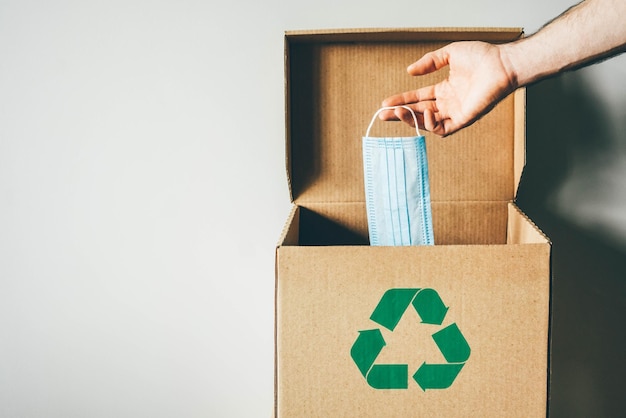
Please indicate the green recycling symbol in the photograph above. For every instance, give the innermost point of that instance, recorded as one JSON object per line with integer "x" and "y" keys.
{"x": 388, "y": 313}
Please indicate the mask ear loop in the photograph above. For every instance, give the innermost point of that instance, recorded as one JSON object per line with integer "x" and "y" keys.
{"x": 367, "y": 134}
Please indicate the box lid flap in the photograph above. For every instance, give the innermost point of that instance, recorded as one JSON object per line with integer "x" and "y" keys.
{"x": 336, "y": 80}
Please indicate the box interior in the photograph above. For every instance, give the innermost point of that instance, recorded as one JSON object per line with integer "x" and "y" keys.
{"x": 334, "y": 87}
{"x": 455, "y": 223}
{"x": 335, "y": 83}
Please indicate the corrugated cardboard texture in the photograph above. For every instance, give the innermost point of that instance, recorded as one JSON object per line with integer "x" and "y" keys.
{"x": 521, "y": 230}
{"x": 490, "y": 264}
{"x": 455, "y": 223}
{"x": 497, "y": 295}
{"x": 448, "y": 34}
{"x": 335, "y": 83}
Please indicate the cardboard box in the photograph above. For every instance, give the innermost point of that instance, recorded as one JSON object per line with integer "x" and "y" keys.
{"x": 459, "y": 329}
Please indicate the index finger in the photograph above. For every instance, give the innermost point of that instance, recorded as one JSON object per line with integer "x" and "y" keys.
{"x": 430, "y": 62}
{"x": 407, "y": 98}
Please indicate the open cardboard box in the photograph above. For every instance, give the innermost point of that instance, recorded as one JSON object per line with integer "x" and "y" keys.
{"x": 490, "y": 266}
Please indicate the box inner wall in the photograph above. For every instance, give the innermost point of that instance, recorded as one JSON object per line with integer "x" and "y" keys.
{"x": 334, "y": 89}
{"x": 455, "y": 223}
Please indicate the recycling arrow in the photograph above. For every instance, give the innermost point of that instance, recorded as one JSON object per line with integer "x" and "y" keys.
{"x": 394, "y": 303}
{"x": 389, "y": 376}
{"x": 436, "y": 376}
{"x": 392, "y": 306}
{"x": 364, "y": 351}
{"x": 452, "y": 344}
{"x": 431, "y": 310}
{"x": 366, "y": 348}
{"x": 454, "y": 349}
{"x": 430, "y": 307}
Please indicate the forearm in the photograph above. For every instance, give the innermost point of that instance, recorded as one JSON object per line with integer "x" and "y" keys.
{"x": 589, "y": 31}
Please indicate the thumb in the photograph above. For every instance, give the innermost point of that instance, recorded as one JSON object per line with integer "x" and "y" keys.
{"x": 430, "y": 62}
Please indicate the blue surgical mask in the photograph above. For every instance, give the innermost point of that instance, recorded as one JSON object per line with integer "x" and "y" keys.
{"x": 397, "y": 190}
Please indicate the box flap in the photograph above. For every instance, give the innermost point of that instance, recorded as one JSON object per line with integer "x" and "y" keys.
{"x": 336, "y": 80}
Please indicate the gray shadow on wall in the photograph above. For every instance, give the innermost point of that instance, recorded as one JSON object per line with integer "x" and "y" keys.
{"x": 588, "y": 362}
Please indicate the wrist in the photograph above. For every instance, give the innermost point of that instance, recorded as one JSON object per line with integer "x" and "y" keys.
{"x": 509, "y": 56}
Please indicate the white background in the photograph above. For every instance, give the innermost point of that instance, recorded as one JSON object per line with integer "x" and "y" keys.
{"x": 143, "y": 189}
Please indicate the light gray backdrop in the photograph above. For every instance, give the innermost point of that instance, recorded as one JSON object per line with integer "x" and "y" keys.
{"x": 143, "y": 189}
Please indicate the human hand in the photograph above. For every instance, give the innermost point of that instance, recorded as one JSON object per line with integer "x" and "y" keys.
{"x": 479, "y": 77}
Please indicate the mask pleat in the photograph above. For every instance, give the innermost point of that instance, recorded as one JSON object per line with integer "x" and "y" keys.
{"x": 397, "y": 191}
